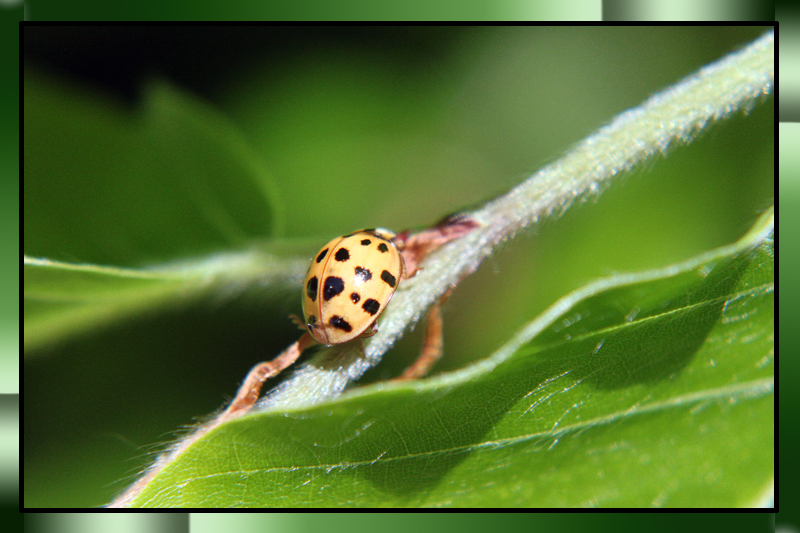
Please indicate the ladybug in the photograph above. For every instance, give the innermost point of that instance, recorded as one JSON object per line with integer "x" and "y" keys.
{"x": 349, "y": 283}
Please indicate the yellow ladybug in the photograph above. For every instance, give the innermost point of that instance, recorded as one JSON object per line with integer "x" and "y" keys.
{"x": 349, "y": 283}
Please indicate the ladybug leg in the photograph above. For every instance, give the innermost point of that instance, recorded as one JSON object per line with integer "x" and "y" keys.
{"x": 415, "y": 248}
{"x": 249, "y": 391}
{"x": 371, "y": 330}
{"x": 297, "y": 321}
{"x": 431, "y": 346}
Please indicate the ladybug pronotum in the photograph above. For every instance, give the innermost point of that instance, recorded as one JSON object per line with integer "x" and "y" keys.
{"x": 349, "y": 283}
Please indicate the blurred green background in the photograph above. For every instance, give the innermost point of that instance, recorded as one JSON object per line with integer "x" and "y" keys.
{"x": 344, "y": 128}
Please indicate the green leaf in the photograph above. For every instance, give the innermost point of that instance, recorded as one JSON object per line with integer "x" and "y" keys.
{"x": 113, "y": 186}
{"x": 647, "y": 389}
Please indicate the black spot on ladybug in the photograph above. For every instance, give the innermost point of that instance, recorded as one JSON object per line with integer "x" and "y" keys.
{"x": 311, "y": 288}
{"x": 322, "y": 255}
{"x": 342, "y": 255}
{"x": 385, "y": 276}
{"x": 365, "y": 242}
{"x": 355, "y": 297}
{"x": 383, "y": 248}
{"x": 371, "y": 306}
{"x": 340, "y": 323}
{"x": 363, "y": 275}
{"x": 311, "y": 321}
{"x": 333, "y": 286}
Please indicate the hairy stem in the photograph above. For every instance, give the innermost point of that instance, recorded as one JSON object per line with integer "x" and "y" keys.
{"x": 672, "y": 117}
